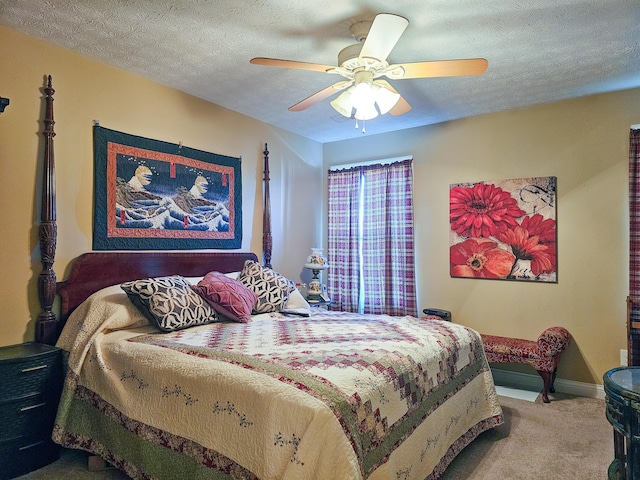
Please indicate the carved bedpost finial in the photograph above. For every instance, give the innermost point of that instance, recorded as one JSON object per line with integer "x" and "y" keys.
{"x": 47, "y": 324}
{"x": 266, "y": 213}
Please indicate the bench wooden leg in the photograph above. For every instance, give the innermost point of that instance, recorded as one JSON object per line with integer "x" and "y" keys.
{"x": 547, "y": 384}
{"x": 552, "y": 387}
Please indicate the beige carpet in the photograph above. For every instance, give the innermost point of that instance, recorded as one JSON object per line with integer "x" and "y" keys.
{"x": 568, "y": 438}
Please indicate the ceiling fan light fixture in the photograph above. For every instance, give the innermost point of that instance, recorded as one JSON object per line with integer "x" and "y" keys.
{"x": 342, "y": 104}
{"x": 367, "y": 99}
{"x": 362, "y": 96}
{"x": 385, "y": 99}
{"x": 366, "y": 112}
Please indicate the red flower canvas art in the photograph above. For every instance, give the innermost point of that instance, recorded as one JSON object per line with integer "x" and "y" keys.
{"x": 504, "y": 229}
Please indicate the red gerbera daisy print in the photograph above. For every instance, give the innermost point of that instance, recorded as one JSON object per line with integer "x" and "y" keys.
{"x": 533, "y": 240}
{"x": 482, "y": 210}
{"x": 504, "y": 229}
{"x": 543, "y": 228}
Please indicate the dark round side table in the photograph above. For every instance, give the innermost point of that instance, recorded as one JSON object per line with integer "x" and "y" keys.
{"x": 622, "y": 389}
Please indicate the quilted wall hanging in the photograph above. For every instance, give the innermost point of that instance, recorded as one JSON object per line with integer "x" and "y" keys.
{"x": 154, "y": 195}
{"x": 504, "y": 229}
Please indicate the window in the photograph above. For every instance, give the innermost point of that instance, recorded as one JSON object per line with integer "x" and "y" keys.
{"x": 370, "y": 239}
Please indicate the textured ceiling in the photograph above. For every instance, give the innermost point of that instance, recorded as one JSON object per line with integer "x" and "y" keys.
{"x": 538, "y": 51}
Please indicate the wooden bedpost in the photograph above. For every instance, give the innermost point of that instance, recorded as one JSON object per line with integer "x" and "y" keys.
{"x": 47, "y": 324}
{"x": 266, "y": 213}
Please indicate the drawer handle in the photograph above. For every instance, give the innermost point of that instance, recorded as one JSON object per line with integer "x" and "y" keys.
{"x": 26, "y": 447}
{"x": 31, "y": 407}
{"x": 39, "y": 367}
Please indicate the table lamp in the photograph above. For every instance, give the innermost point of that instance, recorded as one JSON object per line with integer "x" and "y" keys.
{"x": 315, "y": 262}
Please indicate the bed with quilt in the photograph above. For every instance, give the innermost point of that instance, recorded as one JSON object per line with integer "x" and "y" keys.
{"x": 233, "y": 375}
{"x": 211, "y": 365}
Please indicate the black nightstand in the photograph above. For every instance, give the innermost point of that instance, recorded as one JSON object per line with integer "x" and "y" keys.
{"x": 30, "y": 385}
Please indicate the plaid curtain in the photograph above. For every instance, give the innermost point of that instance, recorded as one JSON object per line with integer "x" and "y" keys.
{"x": 381, "y": 257}
{"x": 634, "y": 244}
{"x": 343, "y": 276}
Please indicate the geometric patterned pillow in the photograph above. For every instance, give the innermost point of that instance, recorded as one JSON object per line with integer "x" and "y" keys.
{"x": 169, "y": 302}
{"x": 227, "y": 296}
{"x": 272, "y": 288}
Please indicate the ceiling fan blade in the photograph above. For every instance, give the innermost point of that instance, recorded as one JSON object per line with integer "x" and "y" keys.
{"x": 385, "y": 32}
{"x": 274, "y": 62}
{"x": 402, "y": 106}
{"x": 443, "y": 68}
{"x": 319, "y": 96}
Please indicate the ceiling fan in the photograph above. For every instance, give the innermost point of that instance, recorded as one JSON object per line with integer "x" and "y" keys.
{"x": 365, "y": 63}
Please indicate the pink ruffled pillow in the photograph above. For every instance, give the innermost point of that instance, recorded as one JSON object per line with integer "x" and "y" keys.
{"x": 227, "y": 296}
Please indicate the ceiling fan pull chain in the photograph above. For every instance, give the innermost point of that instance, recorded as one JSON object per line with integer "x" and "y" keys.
{"x": 363, "y": 126}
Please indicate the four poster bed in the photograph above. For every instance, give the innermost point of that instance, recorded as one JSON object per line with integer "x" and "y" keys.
{"x": 287, "y": 393}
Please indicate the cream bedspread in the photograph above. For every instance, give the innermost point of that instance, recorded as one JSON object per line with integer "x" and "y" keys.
{"x": 331, "y": 396}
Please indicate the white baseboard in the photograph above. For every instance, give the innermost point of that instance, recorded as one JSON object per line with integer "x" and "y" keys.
{"x": 527, "y": 381}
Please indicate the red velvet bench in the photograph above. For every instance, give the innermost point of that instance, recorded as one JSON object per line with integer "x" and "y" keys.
{"x": 543, "y": 354}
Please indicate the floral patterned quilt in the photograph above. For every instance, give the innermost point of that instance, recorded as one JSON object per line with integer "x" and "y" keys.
{"x": 334, "y": 395}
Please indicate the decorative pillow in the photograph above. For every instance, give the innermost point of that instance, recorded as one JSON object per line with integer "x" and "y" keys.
{"x": 272, "y": 288}
{"x": 227, "y": 296}
{"x": 169, "y": 302}
{"x": 195, "y": 280}
{"x": 233, "y": 275}
{"x": 296, "y": 300}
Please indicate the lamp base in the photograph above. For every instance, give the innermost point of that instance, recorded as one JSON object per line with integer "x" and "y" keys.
{"x": 314, "y": 289}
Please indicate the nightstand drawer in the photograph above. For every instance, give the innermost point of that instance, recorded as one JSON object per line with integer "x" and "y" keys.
{"x": 32, "y": 415}
{"x": 26, "y": 455}
{"x": 30, "y": 375}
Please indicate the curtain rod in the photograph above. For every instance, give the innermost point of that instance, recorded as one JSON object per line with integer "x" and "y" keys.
{"x": 384, "y": 161}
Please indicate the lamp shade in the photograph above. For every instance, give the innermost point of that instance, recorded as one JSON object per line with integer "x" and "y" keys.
{"x": 316, "y": 261}
{"x": 385, "y": 99}
{"x": 361, "y": 96}
{"x": 366, "y": 112}
{"x": 342, "y": 104}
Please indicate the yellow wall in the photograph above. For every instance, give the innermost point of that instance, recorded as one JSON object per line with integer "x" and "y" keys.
{"x": 88, "y": 90}
{"x": 584, "y": 143}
